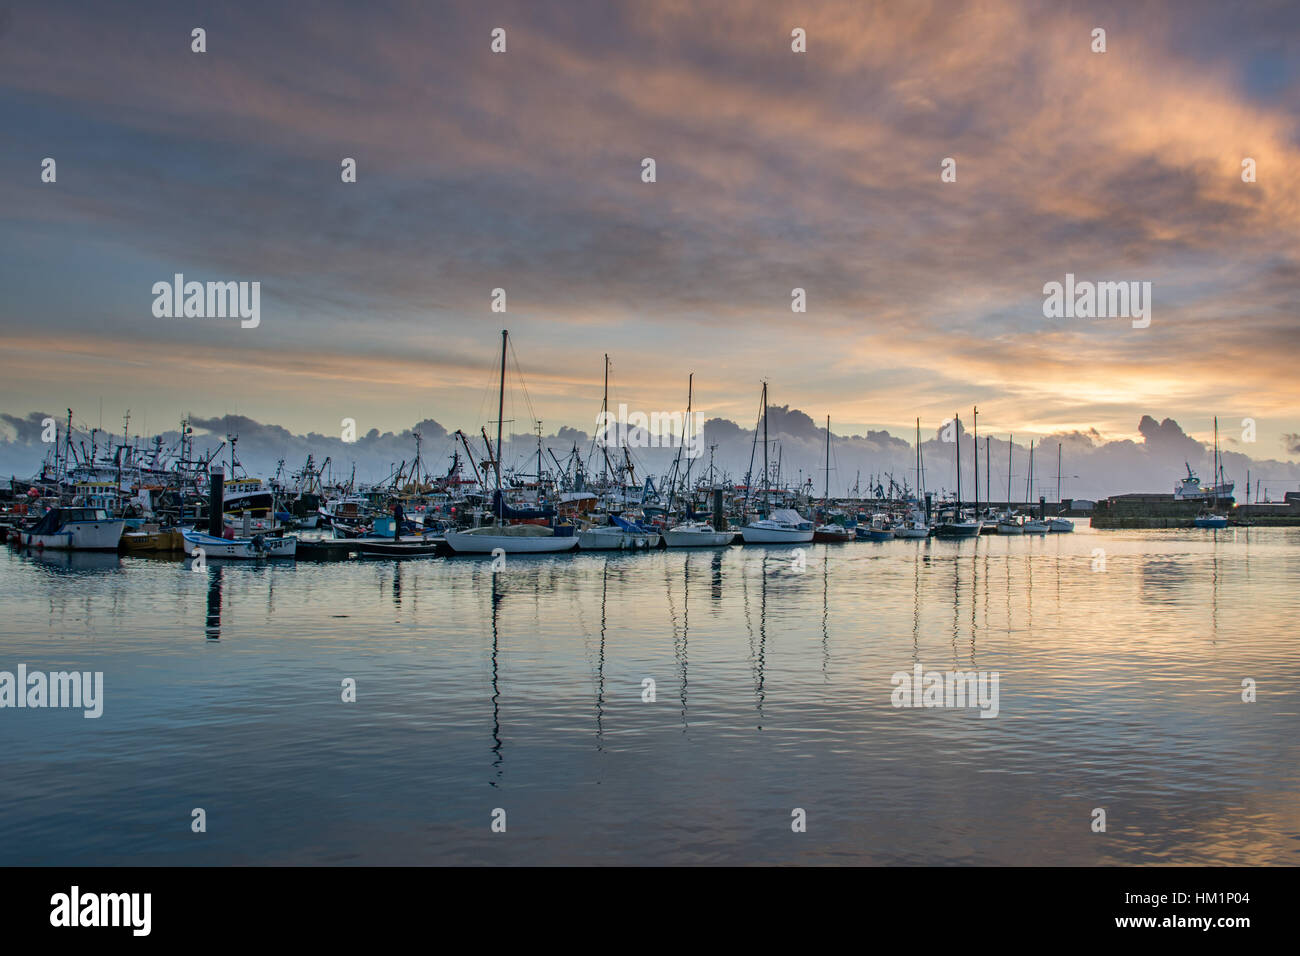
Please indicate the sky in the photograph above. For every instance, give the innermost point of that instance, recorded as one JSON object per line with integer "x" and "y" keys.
{"x": 774, "y": 170}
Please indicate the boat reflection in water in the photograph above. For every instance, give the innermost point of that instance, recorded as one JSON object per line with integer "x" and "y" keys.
{"x": 213, "y": 626}
{"x": 773, "y": 676}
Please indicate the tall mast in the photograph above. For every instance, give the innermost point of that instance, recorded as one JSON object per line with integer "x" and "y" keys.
{"x": 920, "y": 480}
{"x": 753, "y": 449}
{"x": 957, "y": 434}
{"x": 826, "y": 494}
{"x": 1058, "y": 475}
{"x": 675, "y": 475}
{"x": 1029, "y": 478}
{"x": 988, "y": 470}
{"x": 1214, "y": 482}
{"x": 975, "y": 474}
{"x": 501, "y": 414}
{"x": 67, "y": 445}
{"x": 686, "y": 427}
{"x": 1011, "y": 444}
{"x": 604, "y": 407}
{"x": 766, "y": 480}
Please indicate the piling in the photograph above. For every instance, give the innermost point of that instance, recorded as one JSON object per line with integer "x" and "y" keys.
{"x": 216, "y": 481}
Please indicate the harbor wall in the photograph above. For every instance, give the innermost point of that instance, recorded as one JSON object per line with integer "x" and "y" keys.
{"x": 1165, "y": 511}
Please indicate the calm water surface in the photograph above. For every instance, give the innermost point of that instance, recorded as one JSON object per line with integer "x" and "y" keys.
{"x": 1119, "y": 688}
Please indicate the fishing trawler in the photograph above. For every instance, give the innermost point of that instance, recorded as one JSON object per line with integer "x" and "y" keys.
{"x": 73, "y": 529}
{"x": 249, "y": 506}
{"x": 1191, "y": 489}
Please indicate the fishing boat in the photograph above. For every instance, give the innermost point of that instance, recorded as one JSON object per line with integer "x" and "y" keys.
{"x": 912, "y": 526}
{"x": 958, "y": 526}
{"x": 248, "y": 505}
{"x": 73, "y": 529}
{"x": 831, "y": 533}
{"x": 880, "y": 528}
{"x": 1191, "y": 489}
{"x": 512, "y": 539}
{"x": 150, "y": 539}
{"x": 247, "y": 549}
{"x": 398, "y": 549}
{"x": 348, "y": 511}
{"x": 1208, "y": 519}
{"x": 621, "y": 535}
{"x": 783, "y": 526}
{"x": 697, "y": 534}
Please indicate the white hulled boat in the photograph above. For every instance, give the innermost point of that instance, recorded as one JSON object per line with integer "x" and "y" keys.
{"x": 783, "y": 526}
{"x": 1059, "y": 525}
{"x": 1010, "y": 524}
{"x": 915, "y": 525}
{"x": 697, "y": 534}
{"x": 247, "y": 549}
{"x": 74, "y": 529}
{"x": 622, "y": 535}
{"x": 512, "y": 539}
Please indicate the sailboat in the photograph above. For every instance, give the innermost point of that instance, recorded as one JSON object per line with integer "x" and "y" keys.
{"x": 829, "y": 532}
{"x": 1009, "y": 523}
{"x": 957, "y": 525}
{"x": 914, "y": 524}
{"x": 783, "y": 525}
{"x": 1031, "y": 524}
{"x": 1057, "y": 524}
{"x": 1209, "y": 518}
{"x": 509, "y": 538}
{"x": 693, "y": 533}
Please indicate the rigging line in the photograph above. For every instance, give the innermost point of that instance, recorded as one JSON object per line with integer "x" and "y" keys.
{"x": 528, "y": 401}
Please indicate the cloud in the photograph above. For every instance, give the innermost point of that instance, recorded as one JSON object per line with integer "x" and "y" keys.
{"x": 776, "y": 170}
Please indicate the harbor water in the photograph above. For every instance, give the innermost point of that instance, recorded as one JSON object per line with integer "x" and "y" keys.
{"x": 670, "y": 707}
